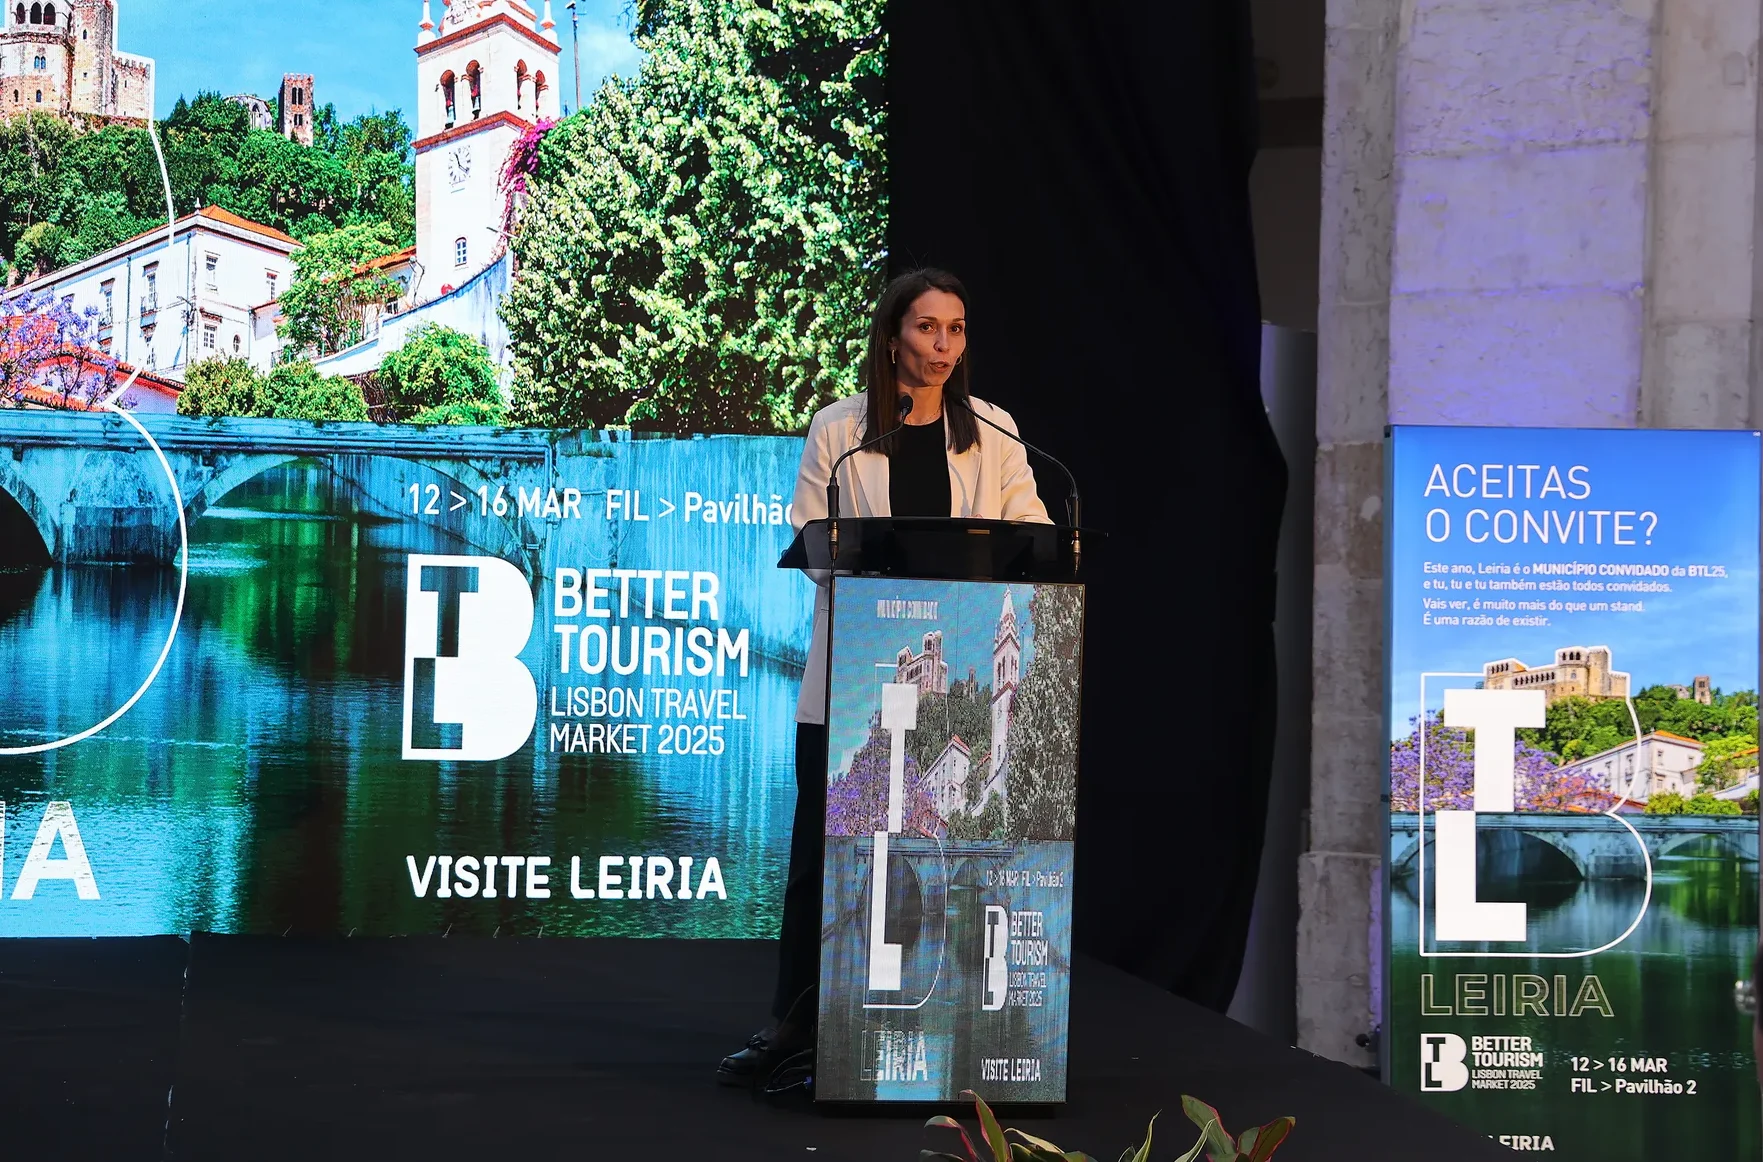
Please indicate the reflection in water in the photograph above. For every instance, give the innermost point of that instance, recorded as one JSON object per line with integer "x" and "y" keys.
{"x": 1670, "y": 984}
{"x": 259, "y": 785}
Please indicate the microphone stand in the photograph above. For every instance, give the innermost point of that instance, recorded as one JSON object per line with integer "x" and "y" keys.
{"x": 901, "y": 409}
{"x": 1073, "y": 505}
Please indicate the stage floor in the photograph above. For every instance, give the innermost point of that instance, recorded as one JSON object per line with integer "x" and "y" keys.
{"x": 235, "y": 1048}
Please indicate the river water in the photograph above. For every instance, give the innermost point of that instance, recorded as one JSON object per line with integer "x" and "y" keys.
{"x": 258, "y": 785}
{"x": 1670, "y": 985}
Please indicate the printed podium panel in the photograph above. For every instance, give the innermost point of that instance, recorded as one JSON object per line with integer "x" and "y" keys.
{"x": 1572, "y": 864}
{"x": 951, "y": 792}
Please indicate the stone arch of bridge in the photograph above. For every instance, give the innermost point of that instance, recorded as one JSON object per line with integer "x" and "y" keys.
{"x": 15, "y": 486}
{"x": 515, "y": 543}
{"x": 234, "y": 473}
{"x": 1404, "y": 862}
{"x": 1727, "y": 842}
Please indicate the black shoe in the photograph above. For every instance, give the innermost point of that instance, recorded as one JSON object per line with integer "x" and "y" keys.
{"x": 754, "y": 1062}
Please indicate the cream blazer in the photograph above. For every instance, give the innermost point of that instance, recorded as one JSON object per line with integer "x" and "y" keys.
{"x": 989, "y": 481}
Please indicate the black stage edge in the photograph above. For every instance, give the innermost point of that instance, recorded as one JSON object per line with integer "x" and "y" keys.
{"x": 431, "y": 1048}
{"x": 88, "y": 1045}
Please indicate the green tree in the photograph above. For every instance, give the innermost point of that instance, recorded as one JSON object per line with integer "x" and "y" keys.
{"x": 1702, "y": 803}
{"x": 1667, "y": 803}
{"x": 375, "y": 149}
{"x": 103, "y": 186}
{"x": 703, "y": 242}
{"x": 227, "y": 386}
{"x": 321, "y": 309}
{"x": 1041, "y": 752}
{"x": 990, "y": 823}
{"x": 966, "y": 710}
{"x": 282, "y": 183}
{"x": 440, "y": 376}
{"x": 1672, "y": 803}
{"x": 327, "y": 131}
{"x": 42, "y": 248}
{"x": 298, "y": 391}
{"x": 104, "y": 221}
{"x": 1577, "y": 727}
{"x": 1724, "y": 759}
{"x": 202, "y": 140}
{"x": 36, "y": 186}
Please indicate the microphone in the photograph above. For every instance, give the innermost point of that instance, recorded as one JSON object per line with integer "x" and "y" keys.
{"x": 902, "y": 408}
{"x": 1073, "y": 505}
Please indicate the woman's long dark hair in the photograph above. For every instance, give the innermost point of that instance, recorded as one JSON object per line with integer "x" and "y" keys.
{"x": 878, "y": 367}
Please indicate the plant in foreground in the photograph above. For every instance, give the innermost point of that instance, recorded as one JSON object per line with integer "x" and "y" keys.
{"x": 1014, "y": 1145}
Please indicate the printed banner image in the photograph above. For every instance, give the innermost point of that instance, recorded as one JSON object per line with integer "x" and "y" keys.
{"x": 1572, "y": 867}
{"x": 946, "y": 947}
{"x": 411, "y": 681}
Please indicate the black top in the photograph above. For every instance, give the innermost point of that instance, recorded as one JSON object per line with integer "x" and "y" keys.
{"x": 918, "y": 471}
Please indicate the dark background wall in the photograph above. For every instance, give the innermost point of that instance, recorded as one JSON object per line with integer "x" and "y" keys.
{"x": 1084, "y": 167}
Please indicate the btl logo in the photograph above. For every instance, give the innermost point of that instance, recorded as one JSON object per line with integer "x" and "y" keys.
{"x": 467, "y": 695}
{"x": 1441, "y": 1063}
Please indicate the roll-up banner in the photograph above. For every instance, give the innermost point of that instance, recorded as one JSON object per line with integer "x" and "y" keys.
{"x": 1571, "y": 871}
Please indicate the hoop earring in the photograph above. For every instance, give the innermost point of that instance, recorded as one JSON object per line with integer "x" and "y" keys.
{"x": 959, "y": 358}
{"x": 891, "y": 356}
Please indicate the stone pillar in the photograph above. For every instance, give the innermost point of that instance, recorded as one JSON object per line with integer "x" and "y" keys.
{"x": 1702, "y": 355}
{"x": 1535, "y": 212}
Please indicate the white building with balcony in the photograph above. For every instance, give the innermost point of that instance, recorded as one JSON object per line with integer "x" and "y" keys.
{"x": 1640, "y": 768}
{"x": 210, "y": 291}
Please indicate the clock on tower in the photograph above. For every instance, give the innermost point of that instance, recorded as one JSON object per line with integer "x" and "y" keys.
{"x": 458, "y": 164}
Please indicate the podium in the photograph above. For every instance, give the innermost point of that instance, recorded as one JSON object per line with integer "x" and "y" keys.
{"x": 954, "y": 673}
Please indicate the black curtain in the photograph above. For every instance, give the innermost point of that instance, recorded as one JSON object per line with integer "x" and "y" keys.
{"x": 1084, "y": 168}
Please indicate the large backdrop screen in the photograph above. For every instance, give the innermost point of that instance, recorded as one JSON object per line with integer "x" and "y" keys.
{"x": 394, "y": 476}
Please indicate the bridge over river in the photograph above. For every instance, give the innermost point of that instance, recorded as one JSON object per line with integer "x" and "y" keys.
{"x": 83, "y": 489}
{"x": 1597, "y": 846}
{"x": 95, "y": 493}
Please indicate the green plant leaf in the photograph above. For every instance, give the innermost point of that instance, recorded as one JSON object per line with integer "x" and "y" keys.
{"x": 934, "y": 1156}
{"x": 1269, "y": 1138}
{"x": 1041, "y": 1147}
{"x": 1218, "y": 1143}
{"x": 988, "y": 1125}
{"x": 1143, "y": 1153}
{"x": 943, "y": 1122}
{"x": 1246, "y": 1142}
{"x": 1199, "y": 1145}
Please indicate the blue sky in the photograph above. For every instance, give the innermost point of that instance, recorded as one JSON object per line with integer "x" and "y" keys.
{"x": 968, "y": 618}
{"x": 1703, "y": 488}
{"x": 362, "y": 62}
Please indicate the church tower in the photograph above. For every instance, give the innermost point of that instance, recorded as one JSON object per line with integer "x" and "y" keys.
{"x": 484, "y": 74}
{"x": 1006, "y": 673}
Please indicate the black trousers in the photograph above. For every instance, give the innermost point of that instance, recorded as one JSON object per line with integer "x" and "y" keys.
{"x": 798, "y": 954}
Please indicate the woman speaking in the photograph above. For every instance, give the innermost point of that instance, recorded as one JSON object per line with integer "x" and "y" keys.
{"x": 935, "y": 461}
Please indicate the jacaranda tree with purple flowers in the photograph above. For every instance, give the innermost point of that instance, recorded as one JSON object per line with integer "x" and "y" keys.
{"x": 1541, "y": 784}
{"x": 47, "y": 344}
{"x": 857, "y": 804}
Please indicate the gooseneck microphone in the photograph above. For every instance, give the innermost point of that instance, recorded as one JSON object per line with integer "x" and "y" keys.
{"x": 902, "y": 409}
{"x": 1073, "y": 505}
